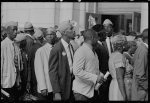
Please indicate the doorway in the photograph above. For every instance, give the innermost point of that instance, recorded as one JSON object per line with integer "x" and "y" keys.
{"x": 115, "y": 19}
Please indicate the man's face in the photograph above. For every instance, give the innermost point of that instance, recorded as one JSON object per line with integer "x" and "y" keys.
{"x": 108, "y": 28}
{"x": 139, "y": 41}
{"x": 51, "y": 38}
{"x": 70, "y": 32}
{"x": 12, "y": 31}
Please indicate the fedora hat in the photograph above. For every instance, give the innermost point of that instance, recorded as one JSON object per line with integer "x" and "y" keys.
{"x": 28, "y": 26}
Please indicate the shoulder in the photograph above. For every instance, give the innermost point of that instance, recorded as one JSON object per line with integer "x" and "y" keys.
{"x": 4, "y": 43}
{"x": 141, "y": 49}
{"x": 80, "y": 51}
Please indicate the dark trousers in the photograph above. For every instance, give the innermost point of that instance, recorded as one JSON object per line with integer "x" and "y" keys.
{"x": 104, "y": 91}
{"x": 48, "y": 98}
{"x": 81, "y": 98}
{"x": 13, "y": 92}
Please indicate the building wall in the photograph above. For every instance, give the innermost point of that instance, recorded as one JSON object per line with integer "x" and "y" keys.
{"x": 106, "y": 8}
{"x": 46, "y": 14}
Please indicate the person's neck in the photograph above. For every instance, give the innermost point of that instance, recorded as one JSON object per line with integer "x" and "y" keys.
{"x": 50, "y": 43}
{"x": 66, "y": 39}
{"x": 10, "y": 38}
{"x": 89, "y": 43}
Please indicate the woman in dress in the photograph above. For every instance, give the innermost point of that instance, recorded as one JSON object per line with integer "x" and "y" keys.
{"x": 128, "y": 54}
{"x": 117, "y": 90}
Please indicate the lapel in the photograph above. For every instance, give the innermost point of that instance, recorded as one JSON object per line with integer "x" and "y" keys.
{"x": 105, "y": 45}
{"x": 62, "y": 50}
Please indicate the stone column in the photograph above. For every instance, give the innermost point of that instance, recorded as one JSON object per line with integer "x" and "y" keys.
{"x": 144, "y": 16}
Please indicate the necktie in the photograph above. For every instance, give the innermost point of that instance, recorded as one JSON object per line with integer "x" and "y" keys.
{"x": 71, "y": 53}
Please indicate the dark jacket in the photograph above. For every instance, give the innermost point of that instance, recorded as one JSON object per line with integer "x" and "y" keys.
{"x": 29, "y": 43}
{"x": 59, "y": 71}
{"x": 103, "y": 57}
{"x": 32, "y": 77}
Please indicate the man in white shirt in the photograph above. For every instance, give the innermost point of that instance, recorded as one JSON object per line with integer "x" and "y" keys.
{"x": 8, "y": 66}
{"x": 86, "y": 68}
{"x": 109, "y": 34}
{"x": 41, "y": 65}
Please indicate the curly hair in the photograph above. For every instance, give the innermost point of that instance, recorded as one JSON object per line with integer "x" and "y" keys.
{"x": 119, "y": 42}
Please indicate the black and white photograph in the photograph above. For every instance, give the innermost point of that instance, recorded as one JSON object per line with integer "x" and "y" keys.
{"x": 74, "y": 51}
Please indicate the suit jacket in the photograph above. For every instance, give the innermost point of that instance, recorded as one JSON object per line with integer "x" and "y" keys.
{"x": 41, "y": 68}
{"x": 8, "y": 69}
{"x": 59, "y": 71}
{"x": 103, "y": 57}
{"x": 140, "y": 74}
{"x": 29, "y": 44}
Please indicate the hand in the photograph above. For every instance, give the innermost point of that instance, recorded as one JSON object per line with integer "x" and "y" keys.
{"x": 28, "y": 87}
{"x": 57, "y": 97}
{"x": 44, "y": 92}
{"x": 100, "y": 78}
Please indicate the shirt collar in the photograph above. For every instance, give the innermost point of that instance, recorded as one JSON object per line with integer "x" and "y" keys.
{"x": 146, "y": 45}
{"x": 30, "y": 36}
{"x": 65, "y": 44}
{"x": 49, "y": 45}
{"x": 9, "y": 40}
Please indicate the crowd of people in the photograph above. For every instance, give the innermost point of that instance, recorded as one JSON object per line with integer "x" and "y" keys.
{"x": 60, "y": 65}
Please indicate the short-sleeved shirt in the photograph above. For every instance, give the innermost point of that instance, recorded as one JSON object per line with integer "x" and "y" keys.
{"x": 116, "y": 60}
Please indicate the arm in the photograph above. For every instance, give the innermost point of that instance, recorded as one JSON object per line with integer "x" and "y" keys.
{"x": 119, "y": 64}
{"x": 78, "y": 68}
{"x": 39, "y": 72}
{"x": 2, "y": 63}
{"x": 120, "y": 78}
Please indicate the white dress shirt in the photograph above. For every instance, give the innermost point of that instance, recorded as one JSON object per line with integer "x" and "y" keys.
{"x": 8, "y": 69}
{"x": 66, "y": 46}
{"x": 86, "y": 71}
{"x": 42, "y": 68}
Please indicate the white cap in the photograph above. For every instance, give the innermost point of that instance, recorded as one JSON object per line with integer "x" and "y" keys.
{"x": 38, "y": 33}
{"x": 20, "y": 37}
{"x": 107, "y": 22}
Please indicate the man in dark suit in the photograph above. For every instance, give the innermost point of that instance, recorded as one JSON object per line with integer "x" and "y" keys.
{"x": 29, "y": 31}
{"x": 31, "y": 76}
{"x": 140, "y": 74}
{"x": 60, "y": 63}
{"x": 103, "y": 56}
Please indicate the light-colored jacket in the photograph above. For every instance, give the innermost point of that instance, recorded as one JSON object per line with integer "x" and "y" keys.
{"x": 140, "y": 74}
{"x": 86, "y": 71}
{"x": 42, "y": 67}
{"x": 8, "y": 69}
